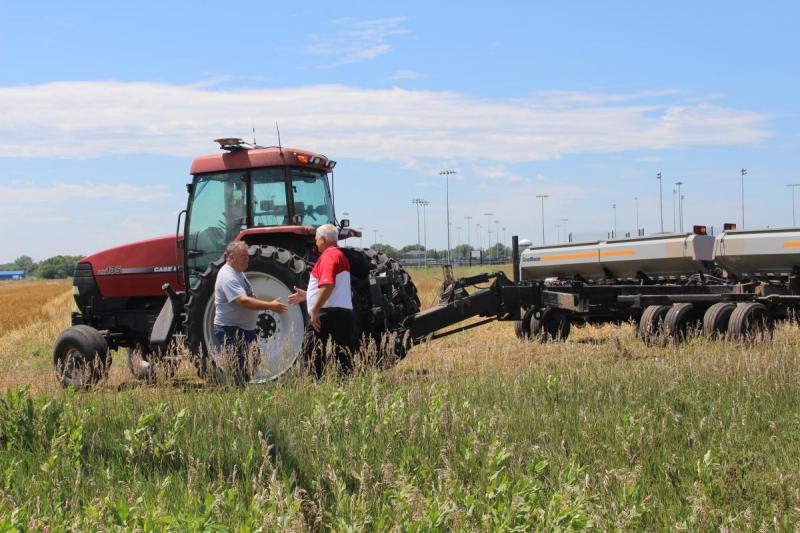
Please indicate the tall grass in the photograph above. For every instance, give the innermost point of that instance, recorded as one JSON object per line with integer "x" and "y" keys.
{"x": 478, "y": 431}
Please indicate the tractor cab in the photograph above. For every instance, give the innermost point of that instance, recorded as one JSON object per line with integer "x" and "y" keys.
{"x": 270, "y": 195}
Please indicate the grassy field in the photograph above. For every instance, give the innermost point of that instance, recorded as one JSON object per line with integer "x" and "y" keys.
{"x": 478, "y": 431}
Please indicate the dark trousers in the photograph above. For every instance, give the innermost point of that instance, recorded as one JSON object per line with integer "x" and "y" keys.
{"x": 235, "y": 343}
{"x": 335, "y": 340}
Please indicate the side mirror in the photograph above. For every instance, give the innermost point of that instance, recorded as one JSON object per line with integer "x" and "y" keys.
{"x": 344, "y": 223}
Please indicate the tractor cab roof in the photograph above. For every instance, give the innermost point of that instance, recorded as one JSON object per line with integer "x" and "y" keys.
{"x": 241, "y": 157}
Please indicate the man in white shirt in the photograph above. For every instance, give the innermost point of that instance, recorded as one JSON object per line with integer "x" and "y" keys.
{"x": 236, "y": 317}
{"x": 330, "y": 303}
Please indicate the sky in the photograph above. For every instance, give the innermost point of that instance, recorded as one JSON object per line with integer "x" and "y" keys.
{"x": 103, "y": 106}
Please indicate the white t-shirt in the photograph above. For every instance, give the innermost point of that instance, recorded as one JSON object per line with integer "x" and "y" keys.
{"x": 332, "y": 268}
{"x": 230, "y": 286}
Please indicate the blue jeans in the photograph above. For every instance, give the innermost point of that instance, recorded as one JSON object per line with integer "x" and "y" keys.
{"x": 236, "y": 340}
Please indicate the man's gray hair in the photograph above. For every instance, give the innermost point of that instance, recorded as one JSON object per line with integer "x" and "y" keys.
{"x": 233, "y": 246}
{"x": 329, "y": 232}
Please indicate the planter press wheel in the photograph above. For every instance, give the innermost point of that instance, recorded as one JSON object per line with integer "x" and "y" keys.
{"x": 716, "y": 319}
{"x": 651, "y": 323}
{"x": 680, "y": 320}
{"x": 750, "y": 321}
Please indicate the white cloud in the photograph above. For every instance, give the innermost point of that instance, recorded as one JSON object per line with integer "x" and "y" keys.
{"x": 404, "y": 75}
{"x": 64, "y": 192}
{"x": 357, "y": 40}
{"x": 96, "y": 118}
{"x": 497, "y": 172}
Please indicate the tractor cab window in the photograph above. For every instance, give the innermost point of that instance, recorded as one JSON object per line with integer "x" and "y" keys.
{"x": 217, "y": 214}
{"x": 312, "y": 198}
{"x": 270, "y": 207}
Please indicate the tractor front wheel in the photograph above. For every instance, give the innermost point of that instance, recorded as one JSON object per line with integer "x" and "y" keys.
{"x": 80, "y": 357}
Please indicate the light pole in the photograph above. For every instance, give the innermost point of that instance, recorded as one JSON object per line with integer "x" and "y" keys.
{"x": 636, "y": 199}
{"x": 447, "y": 174}
{"x": 504, "y": 243}
{"x": 744, "y": 173}
{"x": 469, "y": 244}
{"x": 793, "y": 186}
{"x": 542, "y": 196}
{"x": 674, "y": 216}
{"x": 424, "y": 204}
{"x": 361, "y": 238}
{"x": 680, "y": 205}
{"x": 497, "y": 237}
{"x": 374, "y": 237}
{"x": 614, "y": 207}
{"x": 458, "y": 235}
{"x": 417, "y": 202}
{"x": 480, "y": 243}
{"x": 488, "y": 230}
{"x": 660, "y": 201}
{"x": 565, "y": 220}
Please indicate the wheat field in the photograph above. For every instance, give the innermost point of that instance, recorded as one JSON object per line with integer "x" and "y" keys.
{"x": 478, "y": 431}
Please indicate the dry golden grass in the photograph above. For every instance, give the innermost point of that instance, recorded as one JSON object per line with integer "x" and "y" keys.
{"x": 22, "y": 302}
{"x": 41, "y": 311}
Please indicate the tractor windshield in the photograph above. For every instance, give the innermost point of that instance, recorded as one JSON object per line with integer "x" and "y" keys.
{"x": 312, "y": 198}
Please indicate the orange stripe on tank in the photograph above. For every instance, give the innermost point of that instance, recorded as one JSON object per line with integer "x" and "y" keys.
{"x": 611, "y": 253}
{"x": 791, "y": 244}
{"x": 586, "y": 255}
{"x": 582, "y": 255}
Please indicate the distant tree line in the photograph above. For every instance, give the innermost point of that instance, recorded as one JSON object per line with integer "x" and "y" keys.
{"x": 460, "y": 251}
{"x": 56, "y": 267}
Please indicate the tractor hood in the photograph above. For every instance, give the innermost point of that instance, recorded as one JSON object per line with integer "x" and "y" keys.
{"x": 138, "y": 269}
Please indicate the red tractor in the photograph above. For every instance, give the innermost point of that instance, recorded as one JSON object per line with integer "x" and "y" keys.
{"x": 143, "y": 296}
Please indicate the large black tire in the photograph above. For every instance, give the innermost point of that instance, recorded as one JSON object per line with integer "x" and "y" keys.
{"x": 80, "y": 357}
{"x": 680, "y": 320}
{"x": 522, "y": 328}
{"x": 750, "y": 321}
{"x": 148, "y": 365}
{"x": 550, "y": 325}
{"x": 401, "y": 297}
{"x": 716, "y": 319}
{"x": 651, "y": 323}
{"x": 273, "y": 272}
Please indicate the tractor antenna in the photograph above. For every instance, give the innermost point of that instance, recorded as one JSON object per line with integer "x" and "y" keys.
{"x": 279, "y": 137}
{"x": 255, "y": 144}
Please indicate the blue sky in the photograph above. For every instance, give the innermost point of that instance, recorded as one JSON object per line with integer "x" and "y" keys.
{"x": 104, "y": 105}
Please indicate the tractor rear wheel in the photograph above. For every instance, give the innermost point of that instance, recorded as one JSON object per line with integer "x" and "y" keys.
{"x": 716, "y": 318}
{"x": 651, "y": 322}
{"x": 273, "y": 273}
{"x": 750, "y": 321}
{"x": 401, "y": 297}
{"x": 80, "y": 357}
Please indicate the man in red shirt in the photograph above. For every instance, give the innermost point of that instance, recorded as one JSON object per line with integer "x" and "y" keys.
{"x": 329, "y": 302}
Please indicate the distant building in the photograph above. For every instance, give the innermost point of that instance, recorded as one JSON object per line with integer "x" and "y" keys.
{"x": 413, "y": 258}
{"x": 11, "y": 274}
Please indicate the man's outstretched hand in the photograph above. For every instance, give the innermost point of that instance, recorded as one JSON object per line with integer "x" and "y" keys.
{"x": 278, "y": 306}
{"x": 299, "y": 295}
